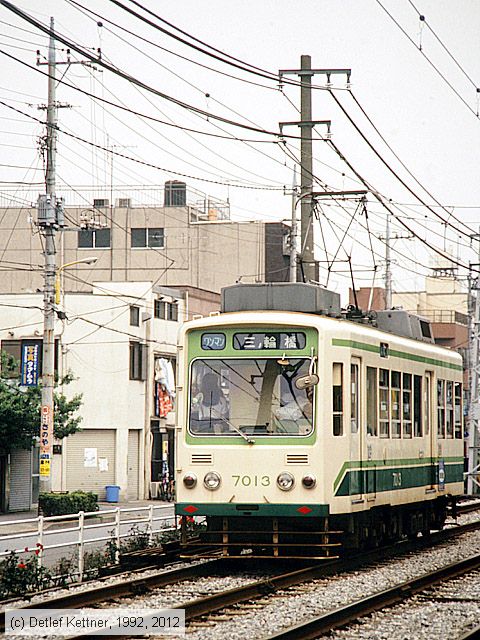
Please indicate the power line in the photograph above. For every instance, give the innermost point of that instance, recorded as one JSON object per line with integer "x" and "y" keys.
{"x": 143, "y": 162}
{"x": 148, "y": 117}
{"x": 176, "y": 144}
{"x": 382, "y": 201}
{"x": 392, "y": 171}
{"x": 402, "y": 163}
{"x": 437, "y": 70}
{"x": 126, "y": 76}
{"x": 154, "y": 44}
{"x": 444, "y": 47}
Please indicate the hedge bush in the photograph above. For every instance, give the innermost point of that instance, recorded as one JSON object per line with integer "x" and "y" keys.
{"x": 58, "y": 504}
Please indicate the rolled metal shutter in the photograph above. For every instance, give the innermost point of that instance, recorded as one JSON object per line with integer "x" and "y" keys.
{"x": 20, "y": 480}
{"x": 133, "y": 463}
{"x": 90, "y": 478}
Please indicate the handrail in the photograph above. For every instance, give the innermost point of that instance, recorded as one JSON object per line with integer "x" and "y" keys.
{"x": 82, "y": 526}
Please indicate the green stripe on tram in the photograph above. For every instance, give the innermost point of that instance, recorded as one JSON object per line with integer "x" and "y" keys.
{"x": 364, "y": 346}
{"x": 375, "y": 476}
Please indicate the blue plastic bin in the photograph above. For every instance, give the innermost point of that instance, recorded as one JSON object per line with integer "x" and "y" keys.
{"x": 113, "y": 493}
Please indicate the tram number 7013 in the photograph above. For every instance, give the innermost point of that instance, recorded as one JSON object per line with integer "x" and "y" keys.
{"x": 251, "y": 481}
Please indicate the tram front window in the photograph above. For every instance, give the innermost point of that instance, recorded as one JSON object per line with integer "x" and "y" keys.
{"x": 254, "y": 397}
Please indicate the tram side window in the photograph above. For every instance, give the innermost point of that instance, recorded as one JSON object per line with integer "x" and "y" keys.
{"x": 395, "y": 406}
{"x": 427, "y": 402}
{"x": 383, "y": 402}
{"x": 354, "y": 413}
{"x": 449, "y": 409}
{"x": 372, "y": 418}
{"x": 417, "y": 406}
{"x": 458, "y": 410}
{"x": 441, "y": 408}
{"x": 337, "y": 388}
{"x": 407, "y": 405}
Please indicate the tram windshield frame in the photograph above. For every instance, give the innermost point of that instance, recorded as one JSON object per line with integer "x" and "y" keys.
{"x": 250, "y": 397}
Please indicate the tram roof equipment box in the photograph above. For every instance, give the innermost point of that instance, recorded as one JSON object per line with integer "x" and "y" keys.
{"x": 281, "y": 296}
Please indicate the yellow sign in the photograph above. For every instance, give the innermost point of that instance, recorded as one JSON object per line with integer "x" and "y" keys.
{"x": 45, "y": 466}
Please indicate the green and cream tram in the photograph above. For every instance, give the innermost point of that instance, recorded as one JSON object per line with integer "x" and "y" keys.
{"x": 302, "y": 432}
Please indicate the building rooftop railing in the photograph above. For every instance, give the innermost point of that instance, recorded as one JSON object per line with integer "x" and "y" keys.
{"x": 202, "y": 206}
{"x": 444, "y": 316}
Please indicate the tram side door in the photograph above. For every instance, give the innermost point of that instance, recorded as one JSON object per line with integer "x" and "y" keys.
{"x": 356, "y": 466}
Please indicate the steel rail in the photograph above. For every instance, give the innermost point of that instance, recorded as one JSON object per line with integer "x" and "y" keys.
{"x": 247, "y": 592}
{"x": 218, "y": 601}
{"x": 470, "y": 635}
{"x": 468, "y": 507}
{"x": 351, "y": 613}
{"x": 133, "y": 586}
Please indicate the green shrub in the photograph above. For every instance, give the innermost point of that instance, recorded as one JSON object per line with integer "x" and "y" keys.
{"x": 19, "y": 577}
{"x": 57, "y": 504}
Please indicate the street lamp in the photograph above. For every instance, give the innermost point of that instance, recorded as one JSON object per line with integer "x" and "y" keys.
{"x": 89, "y": 260}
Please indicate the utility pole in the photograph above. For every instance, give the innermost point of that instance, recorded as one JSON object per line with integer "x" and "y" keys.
{"x": 293, "y": 231}
{"x": 388, "y": 260}
{"x": 48, "y": 210}
{"x": 51, "y": 217}
{"x": 473, "y": 418}
{"x": 306, "y": 124}
{"x": 388, "y": 266}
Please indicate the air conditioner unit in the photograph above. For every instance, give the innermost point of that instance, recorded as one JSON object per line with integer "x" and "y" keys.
{"x": 125, "y": 203}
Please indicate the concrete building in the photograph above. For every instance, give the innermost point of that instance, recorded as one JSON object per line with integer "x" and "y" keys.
{"x": 177, "y": 244}
{"x": 156, "y": 265}
{"x": 118, "y": 341}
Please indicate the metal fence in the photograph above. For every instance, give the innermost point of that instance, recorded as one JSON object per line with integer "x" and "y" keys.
{"x": 80, "y": 525}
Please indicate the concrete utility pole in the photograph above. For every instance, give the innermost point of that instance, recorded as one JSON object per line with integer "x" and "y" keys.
{"x": 388, "y": 260}
{"x": 473, "y": 418}
{"x": 47, "y": 220}
{"x": 50, "y": 218}
{"x": 293, "y": 231}
{"x": 306, "y": 171}
{"x": 388, "y": 266}
{"x": 306, "y": 124}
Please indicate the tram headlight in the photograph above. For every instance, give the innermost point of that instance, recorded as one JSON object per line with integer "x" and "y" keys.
{"x": 309, "y": 481}
{"x": 190, "y": 480}
{"x": 212, "y": 480}
{"x": 285, "y": 481}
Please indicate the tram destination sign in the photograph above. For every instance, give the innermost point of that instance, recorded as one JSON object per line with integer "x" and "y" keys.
{"x": 267, "y": 341}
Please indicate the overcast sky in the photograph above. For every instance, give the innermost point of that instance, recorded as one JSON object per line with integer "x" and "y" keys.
{"x": 422, "y": 102}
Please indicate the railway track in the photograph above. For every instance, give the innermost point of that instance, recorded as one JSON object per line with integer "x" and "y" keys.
{"x": 195, "y": 609}
{"x": 249, "y": 595}
{"x": 349, "y": 614}
{"x": 131, "y": 587}
{"x": 468, "y": 507}
{"x": 217, "y": 602}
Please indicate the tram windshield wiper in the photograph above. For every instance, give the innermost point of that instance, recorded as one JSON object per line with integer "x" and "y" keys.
{"x": 239, "y": 431}
{"x": 256, "y": 428}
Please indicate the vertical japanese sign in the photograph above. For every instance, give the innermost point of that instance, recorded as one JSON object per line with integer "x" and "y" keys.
{"x": 46, "y": 440}
{"x": 30, "y": 363}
